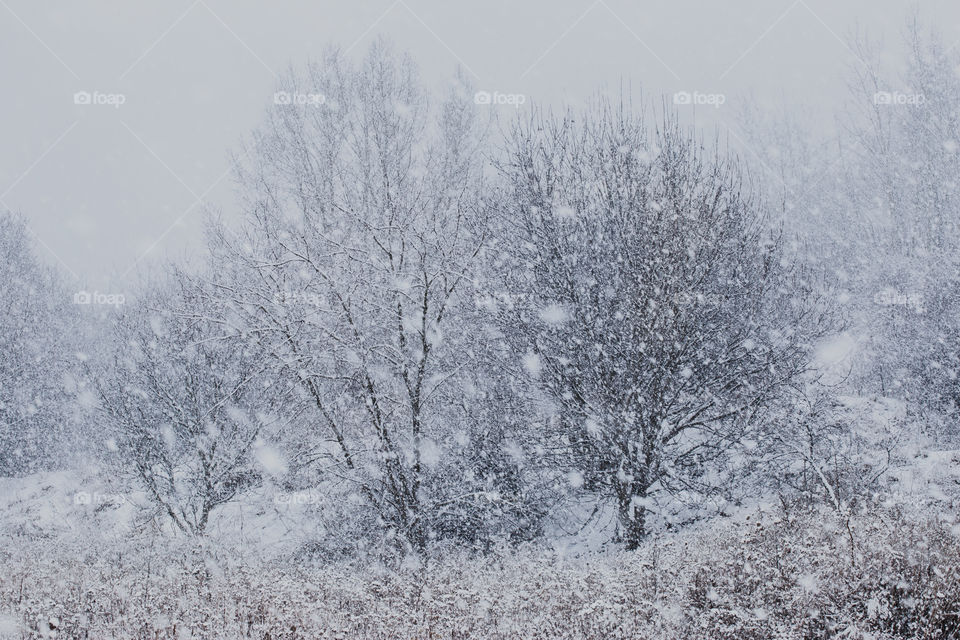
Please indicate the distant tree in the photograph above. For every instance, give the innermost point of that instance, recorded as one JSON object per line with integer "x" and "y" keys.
{"x": 190, "y": 409}
{"x": 643, "y": 289}
{"x": 37, "y": 327}
{"x": 902, "y": 199}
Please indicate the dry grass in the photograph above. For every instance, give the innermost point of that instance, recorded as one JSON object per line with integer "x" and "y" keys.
{"x": 779, "y": 578}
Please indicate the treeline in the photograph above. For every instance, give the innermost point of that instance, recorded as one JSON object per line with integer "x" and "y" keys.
{"x": 460, "y": 335}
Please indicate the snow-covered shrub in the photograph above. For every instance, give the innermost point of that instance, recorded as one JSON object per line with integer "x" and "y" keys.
{"x": 189, "y": 409}
{"x": 816, "y": 575}
{"x": 835, "y": 450}
{"x": 887, "y": 572}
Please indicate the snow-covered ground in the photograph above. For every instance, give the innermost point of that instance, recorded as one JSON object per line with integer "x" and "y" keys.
{"x": 79, "y": 558}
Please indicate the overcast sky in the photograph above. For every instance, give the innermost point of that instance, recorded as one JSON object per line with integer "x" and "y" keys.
{"x": 109, "y": 188}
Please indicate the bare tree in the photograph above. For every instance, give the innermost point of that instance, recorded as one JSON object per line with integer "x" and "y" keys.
{"x": 902, "y": 198}
{"x": 188, "y": 407}
{"x": 354, "y": 267}
{"x": 644, "y": 287}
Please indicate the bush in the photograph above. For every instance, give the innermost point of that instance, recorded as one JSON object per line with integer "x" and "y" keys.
{"x": 766, "y": 576}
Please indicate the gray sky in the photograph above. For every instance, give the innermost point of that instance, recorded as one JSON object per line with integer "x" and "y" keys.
{"x": 107, "y": 189}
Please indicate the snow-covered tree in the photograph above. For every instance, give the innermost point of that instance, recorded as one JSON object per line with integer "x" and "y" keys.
{"x": 36, "y": 331}
{"x": 644, "y": 291}
{"x": 353, "y": 267}
{"x": 903, "y": 199}
{"x": 191, "y": 411}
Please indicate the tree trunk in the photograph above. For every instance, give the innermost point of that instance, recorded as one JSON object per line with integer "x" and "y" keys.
{"x": 632, "y": 517}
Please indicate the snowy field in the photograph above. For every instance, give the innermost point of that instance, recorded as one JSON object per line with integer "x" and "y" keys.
{"x": 72, "y": 568}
